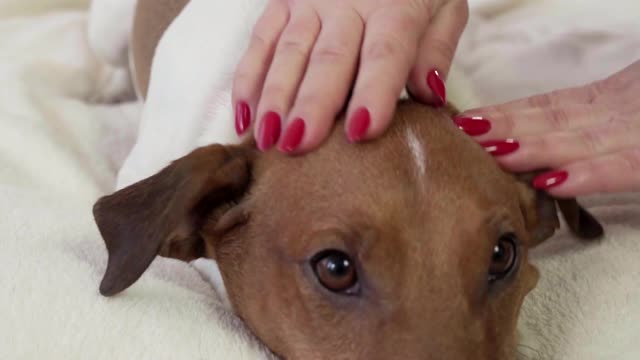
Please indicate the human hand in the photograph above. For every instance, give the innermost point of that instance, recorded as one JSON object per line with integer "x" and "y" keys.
{"x": 306, "y": 57}
{"x": 588, "y": 135}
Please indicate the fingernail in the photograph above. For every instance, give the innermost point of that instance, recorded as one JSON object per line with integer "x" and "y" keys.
{"x": 550, "y": 179}
{"x": 500, "y": 147}
{"x": 436, "y": 84}
{"x": 474, "y": 125}
{"x": 243, "y": 117}
{"x": 292, "y": 136}
{"x": 360, "y": 121}
{"x": 269, "y": 130}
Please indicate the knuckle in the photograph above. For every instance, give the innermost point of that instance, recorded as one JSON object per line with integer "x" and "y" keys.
{"x": 346, "y": 14}
{"x": 381, "y": 49}
{"x": 507, "y": 121}
{"x": 613, "y": 119}
{"x": 241, "y": 77}
{"x": 622, "y": 126}
{"x": 243, "y": 81}
{"x": 307, "y": 100}
{"x": 306, "y": 24}
{"x": 544, "y": 143}
{"x": 631, "y": 161}
{"x": 593, "y": 91}
{"x": 613, "y": 83}
{"x": 424, "y": 8}
{"x": 540, "y": 101}
{"x": 592, "y": 141}
{"x": 297, "y": 37}
{"x": 558, "y": 119}
{"x": 597, "y": 166}
{"x": 275, "y": 92}
{"x": 259, "y": 40}
{"x": 509, "y": 124}
{"x": 405, "y": 22}
{"x": 443, "y": 48}
{"x": 330, "y": 53}
{"x": 313, "y": 102}
{"x": 293, "y": 46}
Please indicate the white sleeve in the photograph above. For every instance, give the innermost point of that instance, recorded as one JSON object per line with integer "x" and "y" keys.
{"x": 189, "y": 99}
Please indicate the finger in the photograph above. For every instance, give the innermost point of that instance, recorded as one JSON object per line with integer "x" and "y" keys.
{"x": 580, "y": 95}
{"x": 561, "y": 148}
{"x": 533, "y": 121}
{"x": 326, "y": 83}
{"x": 252, "y": 68}
{"x": 285, "y": 73}
{"x": 617, "y": 172}
{"x": 388, "y": 51}
{"x": 436, "y": 52}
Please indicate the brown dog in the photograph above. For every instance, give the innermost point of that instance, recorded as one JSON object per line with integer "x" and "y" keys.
{"x": 413, "y": 246}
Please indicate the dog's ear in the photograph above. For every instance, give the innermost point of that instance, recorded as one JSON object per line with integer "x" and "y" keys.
{"x": 163, "y": 214}
{"x": 541, "y": 213}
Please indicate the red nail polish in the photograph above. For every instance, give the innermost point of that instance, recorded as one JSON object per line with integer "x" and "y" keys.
{"x": 243, "y": 117}
{"x": 360, "y": 121}
{"x": 269, "y": 130}
{"x": 436, "y": 84}
{"x": 292, "y": 136}
{"x": 500, "y": 147}
{"x": 550, "y": 179}
{"x": 474, "y": 125}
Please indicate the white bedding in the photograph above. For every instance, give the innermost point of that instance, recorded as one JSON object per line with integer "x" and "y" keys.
{"x": 60, "y": 149}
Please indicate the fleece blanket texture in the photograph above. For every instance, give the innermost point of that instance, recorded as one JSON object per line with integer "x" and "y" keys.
{"x": 64, "y": 134}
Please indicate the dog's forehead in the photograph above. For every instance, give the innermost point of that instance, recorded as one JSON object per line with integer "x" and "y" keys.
{"x": 424, "y": 188}
{"x": 423, "y": 166}
{"x": 422, "y": 151}
{"x": 417, "y": 151}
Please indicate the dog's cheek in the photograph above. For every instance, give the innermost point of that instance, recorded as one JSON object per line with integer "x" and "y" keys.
{"x": 210, "y": 272}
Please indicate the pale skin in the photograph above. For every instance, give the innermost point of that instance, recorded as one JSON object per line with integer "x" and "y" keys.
{"x": 308, "y": 60}
{"x": 589, "y": 136}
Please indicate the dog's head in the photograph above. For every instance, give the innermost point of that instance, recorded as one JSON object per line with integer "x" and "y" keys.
{"x": 413, "y": 246}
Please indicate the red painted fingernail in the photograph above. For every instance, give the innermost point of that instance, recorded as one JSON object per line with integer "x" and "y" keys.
{"x": 550, "y": 179}
{"x": 292, "y": 136}
{"x": 269, "y": 130}
{"x": 243, "y": 117}
{"x": 436, "y": 84}
{"x": 360, "y": 121}
{"x": 474, "y": 125}
{"x": 500, "y": 147}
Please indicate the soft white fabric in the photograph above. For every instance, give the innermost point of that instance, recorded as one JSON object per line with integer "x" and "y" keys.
{"x": 59, "y": 150}
{"x": 515, "y": 48}
{"x": 587, "y": 303}
{"x": 189, "y": 100}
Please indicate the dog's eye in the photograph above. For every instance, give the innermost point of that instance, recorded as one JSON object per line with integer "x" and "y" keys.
{"x": 335, "y": 271}
{"x": 504, "y": 257}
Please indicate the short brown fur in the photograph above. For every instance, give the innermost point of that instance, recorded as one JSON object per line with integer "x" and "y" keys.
{"x": 422, "y": 244}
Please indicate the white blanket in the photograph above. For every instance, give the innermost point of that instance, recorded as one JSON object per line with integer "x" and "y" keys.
{"x": 60, "y": 149}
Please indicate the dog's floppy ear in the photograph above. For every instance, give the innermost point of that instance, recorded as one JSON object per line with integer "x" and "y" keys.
{"x": 541, "y": 213}
{"x": 164, "y": 213}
